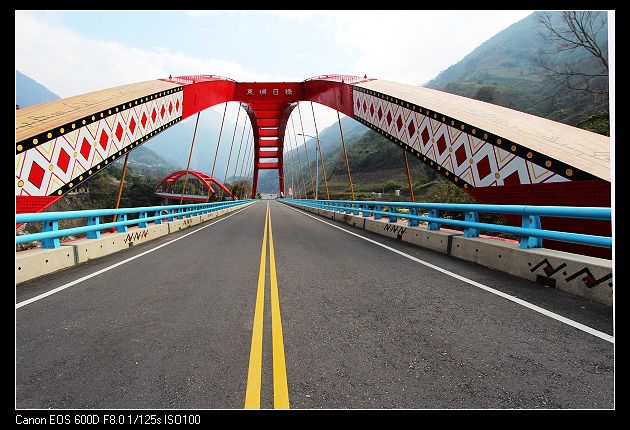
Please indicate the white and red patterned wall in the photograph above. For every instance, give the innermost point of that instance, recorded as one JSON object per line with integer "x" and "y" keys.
{"x": 55, "y": 161}
{"x": 460, "y": 152}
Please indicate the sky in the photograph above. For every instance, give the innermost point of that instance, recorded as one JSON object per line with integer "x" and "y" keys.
{"x": 74, "y": 52}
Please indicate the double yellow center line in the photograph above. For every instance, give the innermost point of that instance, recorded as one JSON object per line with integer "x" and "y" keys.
{"x": 254, "y": 376}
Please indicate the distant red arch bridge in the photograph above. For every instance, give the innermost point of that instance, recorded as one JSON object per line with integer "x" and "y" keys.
{"x": 164, "y": 187}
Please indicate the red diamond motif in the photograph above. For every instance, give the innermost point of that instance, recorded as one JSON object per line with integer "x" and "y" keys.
{"x": 425, "y": 136}
{"x": 364, "y": 106}
{"x": 86, "y": 148}
{"x": 389, "y": 118}
{"x": 132, "y": 125}
{"x": 411, "y": 128}
{"x": 441, "y": 144}
{"x": 143, "y": 120}
{"x": 103, "y": 140}
{"x": 460, "y": 155}
{"x": 153, "y": 115}
{"x": 162, "y": 112}
{"x": 358, "y": 104}
{"x": 512, "y": 179}
{"x": 399, "y": 123}
{"x": 380, "y": 113}
{"x": 177, "y": 105}
{"x": 119, "y": 132}
{"x": 170, "y": 107}
{"x": 63, "y": 160}
{"x": 483, "y": 167}
{"x": 372, "y": 109}
{"x": 36, "y": 175}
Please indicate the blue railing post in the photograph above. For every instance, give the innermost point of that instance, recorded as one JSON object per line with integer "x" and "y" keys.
{"x": 378, "y": 216}
{"x": 51, "y": 226}
{"x": 530, "y": 221}
{"x": 433, "y": 213}
{"x": 170, "y": 213}
{"x": 142, "y": 224}
{"x": 356, "y": 207}
{"x": 471, "y": 231}
{"x": 121, "y": 228}
{"x": 365, "y": 213}
{"x": 413, "y": 222}
{"x": 392, "y": 218}
{"x": 157, "y": 221}
{"x": 94, "y": 234}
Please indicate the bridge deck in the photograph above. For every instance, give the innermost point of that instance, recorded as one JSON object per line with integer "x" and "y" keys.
{"x": 363, "y": 327}
{"x": 580, "y": 148}
{"x": 33, "y": 120}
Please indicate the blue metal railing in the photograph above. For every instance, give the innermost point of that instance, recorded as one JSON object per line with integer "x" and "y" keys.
{"x": 531, "y": 232}
{"x": 51, "y": 233}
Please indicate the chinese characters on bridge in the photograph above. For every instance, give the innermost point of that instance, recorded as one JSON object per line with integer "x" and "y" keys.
{"x": 274, "y": 91}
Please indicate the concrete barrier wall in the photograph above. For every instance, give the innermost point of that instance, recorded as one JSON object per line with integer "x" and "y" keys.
{"x": 37, "y": 262}
{"x": 584, "y": 276}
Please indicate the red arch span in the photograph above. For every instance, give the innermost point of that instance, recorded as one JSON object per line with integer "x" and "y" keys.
{"x": 206, "y": 181}
{"x": 496, "y": 154}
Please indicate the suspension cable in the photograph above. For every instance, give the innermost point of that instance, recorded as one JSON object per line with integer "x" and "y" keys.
{"x": 249, "y": 159}
{"x": 288, "y": 157}
{"x": 239, "y": 152}
{"x": 284, "y": 158}
{"x": 298, "y": 157}
{"x": 120, "y": 185}
{"x": 181, "y": 199}
{"x": 230, "y": 154}
{"x": 218, "y": 143}
{"x": 293, "y": 171}
{"x": 297, "y": 172}
{"x": 308, "y": 161}
{"x": 246, "y": 154}
{"x": 250, "y": 173}
{"x": 408, "y": 176}
{"x": 346, "y": 154}
{"x": 321, "y": 156}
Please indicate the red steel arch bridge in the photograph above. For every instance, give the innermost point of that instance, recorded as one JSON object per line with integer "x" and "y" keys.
{"x": 497, "y": 155}
{"x": 206, "y": 181}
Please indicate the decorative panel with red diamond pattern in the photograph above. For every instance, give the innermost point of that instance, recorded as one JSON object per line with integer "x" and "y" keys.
{"x": 53, "y": 167}
{"x": 462, "y": 154}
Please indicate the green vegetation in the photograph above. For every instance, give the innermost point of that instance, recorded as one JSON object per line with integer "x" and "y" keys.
{"x": 505, "y": 71}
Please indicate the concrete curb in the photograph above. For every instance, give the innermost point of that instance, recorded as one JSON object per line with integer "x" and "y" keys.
{"x": 37, "y": 262}
{"x": 581, "y": 275}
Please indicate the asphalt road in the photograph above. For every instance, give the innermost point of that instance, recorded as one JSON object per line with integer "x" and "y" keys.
{"x": 362, "y": 327}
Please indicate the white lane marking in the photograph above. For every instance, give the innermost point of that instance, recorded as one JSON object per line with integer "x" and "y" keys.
{"x": 521, "y": 302}
{"x": 120, "y": 263}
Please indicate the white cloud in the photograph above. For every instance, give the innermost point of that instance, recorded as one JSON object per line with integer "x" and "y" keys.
{"x": 70, "y": 64}
{"x": 404, "y": 46}
{"x": 414, "y": 46}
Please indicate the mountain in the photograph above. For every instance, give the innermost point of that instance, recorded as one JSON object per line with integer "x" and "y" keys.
{"x": 28, "y": 92}
{"x": 174, "y": 143}
{"x": 376, "y": 165}
{"x": 503, "y": 71}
